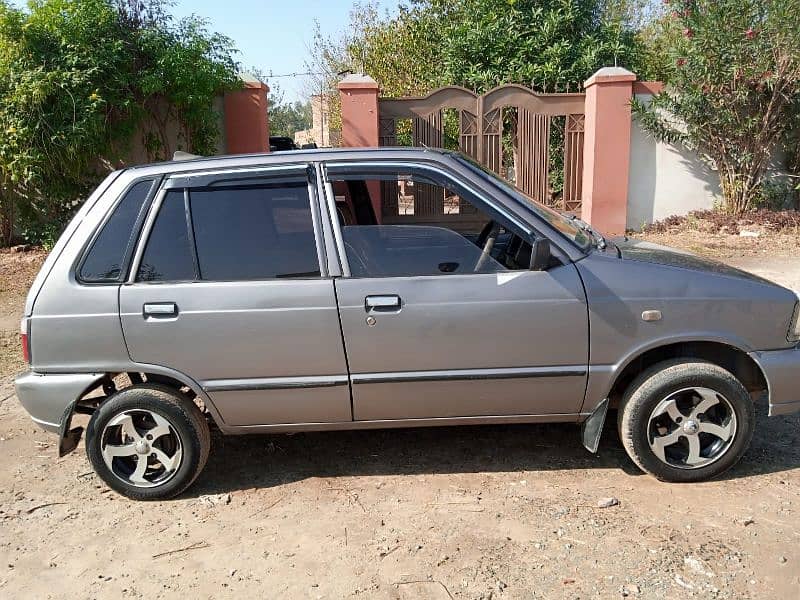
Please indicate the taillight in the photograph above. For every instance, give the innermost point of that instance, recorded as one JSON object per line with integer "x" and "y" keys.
{"x": 25, "y": 341}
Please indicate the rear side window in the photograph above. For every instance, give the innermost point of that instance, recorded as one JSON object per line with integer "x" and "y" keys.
{"x": 258, "y": 232}
{"x": 168, "y": 254}
{"x": 105, "y": 261}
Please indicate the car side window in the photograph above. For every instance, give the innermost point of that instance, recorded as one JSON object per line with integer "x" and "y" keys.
{"x": 105, "y": 260}
{"x": 168, "y": 253}
{"x": 402, "y": 223}
{"x": 254, "y": 232}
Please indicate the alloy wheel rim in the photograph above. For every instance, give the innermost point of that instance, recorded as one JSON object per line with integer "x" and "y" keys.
{"x": 141, "y": 448}
{"x": 692, "y": 428}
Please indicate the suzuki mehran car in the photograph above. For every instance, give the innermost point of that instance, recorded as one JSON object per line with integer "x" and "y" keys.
{"x": 368, "y": 288}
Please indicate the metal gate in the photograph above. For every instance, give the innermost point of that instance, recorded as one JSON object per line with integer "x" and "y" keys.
{"x": 510, "y": 130}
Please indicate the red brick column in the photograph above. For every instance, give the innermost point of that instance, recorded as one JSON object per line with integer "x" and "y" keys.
{"x": 359, "y": 98}
{"x": 606, "y": 149}
{"x": 246, "y": 119}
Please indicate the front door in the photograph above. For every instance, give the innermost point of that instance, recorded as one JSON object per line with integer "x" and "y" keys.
{"x": 229, "y": 289}
{"x": 440, "y": 313}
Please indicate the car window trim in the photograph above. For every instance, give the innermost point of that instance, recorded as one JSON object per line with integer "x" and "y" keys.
{"x": 336, "y": 227}
{"x": 155, "y": 208}
{"x": 130, "y": 247}
{"x": 355, "y": 167}
{"x": 187, "y": 215}
{"x": 254, "y": 183}
{"x": 335, "y": 268}
{"x": 316, "y": 221}
{"x": 359, "y": 167}
{"x": 228, "y": 179}
{"x": 224, "y": 177}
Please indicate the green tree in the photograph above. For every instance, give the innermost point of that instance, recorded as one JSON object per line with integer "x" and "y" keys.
{"x": 552, "y": 45}
{"x": 634, "y": 14}
{"x": 77, "y": 79}
{"x": 399, "y": 52}
{"x": 733, "y": 74}
{"x": 286, "y": 118}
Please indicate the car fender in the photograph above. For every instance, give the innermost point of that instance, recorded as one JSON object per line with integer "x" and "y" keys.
{"x": 69, "y": 437}
{"x": 185, "y": 380}
{"x": 602, "y": 378}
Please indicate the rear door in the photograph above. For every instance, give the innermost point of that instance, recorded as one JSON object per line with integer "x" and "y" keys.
{"x": 433, "y": 328}
{"x": 229, "y": 287}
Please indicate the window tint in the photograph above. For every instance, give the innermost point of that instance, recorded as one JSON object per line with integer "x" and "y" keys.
{"x": 426, "y": 229}
{"x": 108, "y": 254}
{"x": 254, "y": 233}
{"x": 168, "y": 254}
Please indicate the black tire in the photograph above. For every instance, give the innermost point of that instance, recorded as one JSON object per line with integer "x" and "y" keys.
{"x": 663, "y": 381}
{"x": 185, "y": 421}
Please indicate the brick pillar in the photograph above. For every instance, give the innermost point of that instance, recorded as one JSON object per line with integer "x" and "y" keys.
{"x": 246, "y": 118}
{"x": 606, "y": 149}
{"x": 359, "y": 98}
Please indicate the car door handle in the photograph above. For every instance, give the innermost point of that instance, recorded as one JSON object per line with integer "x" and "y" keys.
{"x": 383, "y": 303}
{"x": 160, "y": 309}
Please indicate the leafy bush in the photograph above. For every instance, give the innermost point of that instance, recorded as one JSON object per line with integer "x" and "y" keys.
{"x": 732, "y": 69}
{"x": 77, "y": 79}
{"x": 775, "y": 194}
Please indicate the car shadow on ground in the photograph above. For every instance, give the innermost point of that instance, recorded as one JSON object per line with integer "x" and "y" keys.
{"x": 263, "y": 461}
{"x": 775, "y": 447}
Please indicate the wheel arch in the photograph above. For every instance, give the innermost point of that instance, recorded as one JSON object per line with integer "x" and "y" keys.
{"x": 178, "y": 380}
{"x": 721, "y": 353}
{"x": 136, "y": 373}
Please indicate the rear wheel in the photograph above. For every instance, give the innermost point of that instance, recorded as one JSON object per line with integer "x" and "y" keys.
{"x": 685, "y": 420}
{"x": 148, "y": 442}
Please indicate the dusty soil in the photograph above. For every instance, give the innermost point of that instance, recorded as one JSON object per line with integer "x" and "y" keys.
{"x": 489, "y": 512}
{"x": 17, "y": 270}
{"x": 723, "y": 246}
{"x": 702, "y": 236}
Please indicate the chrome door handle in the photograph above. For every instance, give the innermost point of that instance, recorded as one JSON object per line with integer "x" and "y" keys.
{"x": 385, "y": 303}
{"x": 160, "y": 309}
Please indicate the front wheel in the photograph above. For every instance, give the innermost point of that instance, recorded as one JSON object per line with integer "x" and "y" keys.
{"x": 685, "y": 421}
{"x": 148, "y": 442}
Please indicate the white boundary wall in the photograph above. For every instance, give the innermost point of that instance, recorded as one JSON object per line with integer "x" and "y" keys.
{"x": 665, "y": 180}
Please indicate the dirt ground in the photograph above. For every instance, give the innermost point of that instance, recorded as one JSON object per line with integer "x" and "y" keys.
{"x": 470, "y": 512}
{"x": 722, "y": 246}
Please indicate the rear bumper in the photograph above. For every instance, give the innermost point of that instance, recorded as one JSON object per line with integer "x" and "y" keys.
{"x": 782, "y": 370}
{"x": 47, "y": 397}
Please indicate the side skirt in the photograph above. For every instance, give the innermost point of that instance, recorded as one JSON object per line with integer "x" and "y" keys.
{"x": 401, "y": 423}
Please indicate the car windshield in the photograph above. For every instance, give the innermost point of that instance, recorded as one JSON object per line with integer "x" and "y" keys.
{"x": 566, "y": 225}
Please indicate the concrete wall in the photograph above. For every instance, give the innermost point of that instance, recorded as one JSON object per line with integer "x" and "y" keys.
{"x": 665, "y": 180}
{"x": 320, "y": 132}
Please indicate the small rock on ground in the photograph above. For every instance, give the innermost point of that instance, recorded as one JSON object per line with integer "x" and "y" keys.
{"x": 607, "y": 502}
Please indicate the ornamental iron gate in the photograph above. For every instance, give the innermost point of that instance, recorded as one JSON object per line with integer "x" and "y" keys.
{"x": 510, "y": 130}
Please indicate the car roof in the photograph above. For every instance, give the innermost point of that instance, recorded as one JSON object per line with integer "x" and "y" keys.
{"x": 304, "y": 157}
{"x": 287, "y": 157}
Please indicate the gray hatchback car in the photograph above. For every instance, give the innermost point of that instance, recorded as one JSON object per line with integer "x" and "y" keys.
{"x": 352, "y": 289}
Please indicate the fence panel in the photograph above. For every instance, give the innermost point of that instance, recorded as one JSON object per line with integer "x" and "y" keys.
{"x": 484, "y": 135}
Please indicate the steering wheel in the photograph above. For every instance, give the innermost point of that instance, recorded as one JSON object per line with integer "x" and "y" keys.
{"x": 487, "y": 239}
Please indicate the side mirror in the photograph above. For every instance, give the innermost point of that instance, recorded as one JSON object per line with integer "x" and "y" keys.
{"x": 540, "y": 254}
